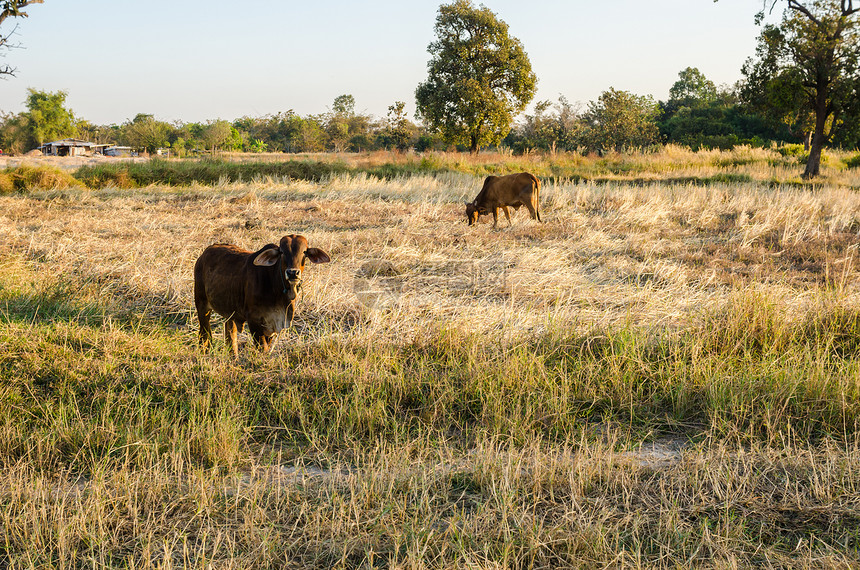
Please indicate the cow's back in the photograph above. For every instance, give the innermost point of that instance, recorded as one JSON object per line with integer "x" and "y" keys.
{"x": 513, "y": 189}
{"x": 220, "y": 277}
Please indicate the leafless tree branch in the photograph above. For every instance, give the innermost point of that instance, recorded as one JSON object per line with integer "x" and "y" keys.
{"x": 795, "y": 5}
{"x": 12, "y": 9}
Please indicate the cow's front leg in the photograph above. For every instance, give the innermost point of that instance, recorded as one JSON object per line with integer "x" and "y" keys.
{"x": 507, "y": 215}
{"x": 205, "y": 334}
{"x": 264, "y": 341}
{"x": 269, "y": 342}
{"x": 495, "y": 217}
{"x": 232, "y": 328}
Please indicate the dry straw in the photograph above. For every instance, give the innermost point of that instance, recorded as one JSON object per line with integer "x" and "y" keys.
{"x": 663, "y": 374}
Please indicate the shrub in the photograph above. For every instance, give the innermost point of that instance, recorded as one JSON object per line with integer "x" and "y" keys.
{"x": 104, "y": 175}
{"x": 791, "y": 150}
{"x": 7, "y": 185}
{"x": 26, "y": 178}
{"x": 853, "y": 162}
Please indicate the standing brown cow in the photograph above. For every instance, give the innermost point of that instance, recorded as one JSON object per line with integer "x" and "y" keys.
{"x": 258, "y": 288}
{"x": 513, "y": 190}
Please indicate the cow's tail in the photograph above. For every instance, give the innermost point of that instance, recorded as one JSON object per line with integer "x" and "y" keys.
{"x": 537, "y": 195}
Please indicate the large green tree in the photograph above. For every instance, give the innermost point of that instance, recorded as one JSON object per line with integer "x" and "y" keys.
{"x": 620, "y": 120}
{"x": 699, "y": 114}
{"x": 772, "y": 87}
{"x": 344, "y": 105}
{"x": 479, "y": 77}
{"x": 337, "y": 121}
{"x": 399, "y": 129}
{"x": 806, "y": 70}
{"x": 552, "y": 127}
{"x": 47, "y": 117}
{"x": 217, "y": 135}
{"x": 15, "y": 138}
{"x": 692, "y": 89}
{"x": 11, "y": 9}
{"x": 146, "y": 132}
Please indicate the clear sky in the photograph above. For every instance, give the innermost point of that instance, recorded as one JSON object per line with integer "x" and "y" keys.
{"x": 196, "y": 60}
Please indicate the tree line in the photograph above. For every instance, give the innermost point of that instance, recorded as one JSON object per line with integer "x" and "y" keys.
{"x": 47, "y": 118}
{"x": 801, "y": 86}
{"x": 697, "y": 114}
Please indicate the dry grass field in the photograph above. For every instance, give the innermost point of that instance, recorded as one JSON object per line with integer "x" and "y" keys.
{"x": 663, "y": 374}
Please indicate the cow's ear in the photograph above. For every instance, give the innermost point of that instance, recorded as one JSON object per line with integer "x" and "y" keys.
{"x": 317, "y": 255}
{"x": 267, "y": 257}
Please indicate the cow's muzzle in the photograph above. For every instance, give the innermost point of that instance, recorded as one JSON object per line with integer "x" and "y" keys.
{"x": 292, "y": 282}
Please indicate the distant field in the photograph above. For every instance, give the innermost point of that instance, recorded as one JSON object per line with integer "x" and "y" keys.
{"x": 664, "y": 373}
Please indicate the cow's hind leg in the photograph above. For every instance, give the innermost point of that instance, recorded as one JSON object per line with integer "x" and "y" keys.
{"x": 533, "y": 212}
{"x": 532, "y": 201}
{"x": 204, "y": 311}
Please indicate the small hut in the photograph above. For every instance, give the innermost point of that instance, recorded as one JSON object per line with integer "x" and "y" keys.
{"x": 68, "y": 147}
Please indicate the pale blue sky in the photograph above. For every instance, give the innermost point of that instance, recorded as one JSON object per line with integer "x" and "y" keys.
{"x": 195, "y": 60}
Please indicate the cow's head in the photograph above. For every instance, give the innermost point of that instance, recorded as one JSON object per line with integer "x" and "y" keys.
{"x": 473, "y": 211}
{"x": 291, "y": 255}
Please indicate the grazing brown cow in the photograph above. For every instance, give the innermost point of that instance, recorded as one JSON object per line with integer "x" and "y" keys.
{"x": 258, "y": 288}
{"x": 513, "y": 190}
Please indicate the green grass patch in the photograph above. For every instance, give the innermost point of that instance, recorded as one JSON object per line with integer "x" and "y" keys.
{"x": 26, "y": 178}
{"x": 211, "y": 172}
{"x": 81, "y": 385}
{"x": 206, "y": 172}
{"x": 667, "y": 164}
{"x": 853, "y": 161}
